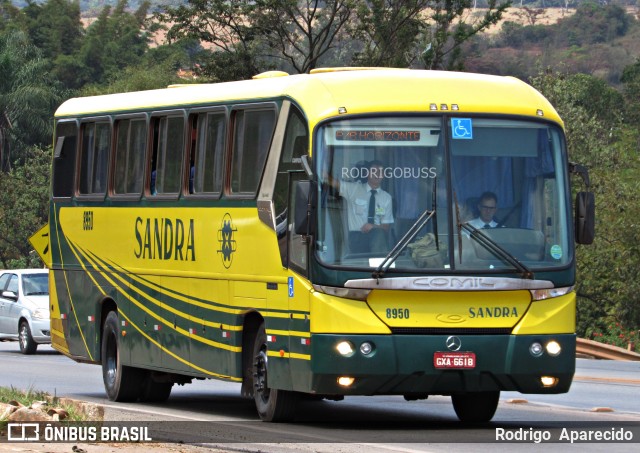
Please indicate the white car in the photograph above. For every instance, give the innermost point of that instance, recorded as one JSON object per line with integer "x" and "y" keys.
{"x": 24, "y": 308}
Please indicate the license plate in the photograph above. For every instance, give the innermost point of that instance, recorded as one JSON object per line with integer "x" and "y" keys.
{"x": 454, "y": 360}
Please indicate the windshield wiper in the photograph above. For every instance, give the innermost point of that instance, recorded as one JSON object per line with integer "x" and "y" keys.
{"x": 408, "y": 236}
{"x": 493, "y": 247}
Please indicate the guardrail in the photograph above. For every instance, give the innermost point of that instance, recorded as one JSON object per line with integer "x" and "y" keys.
{"x": 604, "y": 351}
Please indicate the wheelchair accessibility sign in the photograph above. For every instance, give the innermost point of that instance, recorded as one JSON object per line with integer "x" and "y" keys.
{"x": 461, "y": 128}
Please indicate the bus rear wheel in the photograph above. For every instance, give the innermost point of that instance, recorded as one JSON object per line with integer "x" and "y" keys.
{"x": 273, "y": 405}
{"x": 122, "y": 383}
{"x": 475, "y": 407}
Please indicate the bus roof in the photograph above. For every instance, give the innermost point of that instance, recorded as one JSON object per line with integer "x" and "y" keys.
{"x": 324, "y": 91}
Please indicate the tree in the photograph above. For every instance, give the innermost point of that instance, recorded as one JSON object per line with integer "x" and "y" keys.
{"x": 226, "y": 26}
{"x": 28, "y": 96}
{"x": 301, "y": 32}
{"x": 11, "y": 17}
{"x": 608, "y": 288}
{"x": 117, "y": 39}
{"x": 24, "y": 207}
{"x": 252, "y": 36}
{"x": 389, "y": 30}
{"x": 56, "y": 29}
{"x": 631, "y": 81}
{"x": 448, "y": 31}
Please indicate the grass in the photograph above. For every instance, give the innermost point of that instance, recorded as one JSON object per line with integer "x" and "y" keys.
{"x": 30, "y": 396}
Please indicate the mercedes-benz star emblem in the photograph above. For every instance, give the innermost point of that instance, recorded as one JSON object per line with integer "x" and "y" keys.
{"x": 453, "y": 343}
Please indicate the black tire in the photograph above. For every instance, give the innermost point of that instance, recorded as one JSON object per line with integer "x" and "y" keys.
{"x": 475, "y": 407}
{"x": 273, "y": 405}
{"x": 121, "y": 383}
{"x": 154, "y": 391}
{"x": 27, "y": 343}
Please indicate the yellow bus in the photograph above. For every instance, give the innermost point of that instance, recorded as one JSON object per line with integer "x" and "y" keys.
{"x": 317, "y": 234}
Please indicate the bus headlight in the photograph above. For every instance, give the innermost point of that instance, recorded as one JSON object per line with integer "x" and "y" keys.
{"x": 553, "y": 348}
{"x": 542, "y": 294}
{"x": 345, "y": 348}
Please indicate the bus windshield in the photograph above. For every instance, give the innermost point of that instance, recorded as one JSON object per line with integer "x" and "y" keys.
{"x": 442, "y": 194}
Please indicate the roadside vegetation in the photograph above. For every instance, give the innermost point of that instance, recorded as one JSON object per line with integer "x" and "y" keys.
{"x": 11, "y": 399}
{"x": 587, "y": 64}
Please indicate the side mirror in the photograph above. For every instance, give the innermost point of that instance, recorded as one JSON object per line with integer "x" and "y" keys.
{"x": 585, "y": 217}
{"x": 10, "y": 295}
{"x": 305, "y": 208}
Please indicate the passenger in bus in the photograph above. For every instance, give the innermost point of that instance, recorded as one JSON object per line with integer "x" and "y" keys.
{"x": 152, "y": 184}
{"x": 369, "y": 211}
{"x": 487, "y": 206}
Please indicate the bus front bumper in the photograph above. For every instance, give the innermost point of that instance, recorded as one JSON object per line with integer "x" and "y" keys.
{"x": 414, "y": 364}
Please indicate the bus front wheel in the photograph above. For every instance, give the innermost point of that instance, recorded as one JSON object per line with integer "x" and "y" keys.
{"x": 121, "y": 383}
{"x": 475, "y": 407}
{"x": 273, "y": 405}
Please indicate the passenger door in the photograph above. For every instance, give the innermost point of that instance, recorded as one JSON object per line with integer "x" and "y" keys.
{"x": 15, "y": 307}
{"x": 4, "y": 278}
{"x": 6, "y": 304}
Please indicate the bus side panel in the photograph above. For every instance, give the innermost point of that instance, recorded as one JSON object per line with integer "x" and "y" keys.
{"x": 214, "y": 330}
{"x": 144, "y": 345}
{"x": 279, "y": 336}
{"x": 173, "y": 320}
{"x": 300, "y": 340}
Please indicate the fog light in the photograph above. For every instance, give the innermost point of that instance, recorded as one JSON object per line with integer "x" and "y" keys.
{"x": 366, "y": 348}
{"x": 548, "y": 381}
{"x": 536, "y": 349}
{"x": 345, "y": 348}
{"x": 345, "y": 381}
{"x": 553, "y": 348}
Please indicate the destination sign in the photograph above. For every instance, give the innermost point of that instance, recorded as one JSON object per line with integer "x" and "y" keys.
{"x": 377, "y": 135}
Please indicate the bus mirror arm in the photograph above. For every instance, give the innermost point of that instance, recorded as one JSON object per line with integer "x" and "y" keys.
{"x": 305, "y": 208}
{"x": 582, "y": 171}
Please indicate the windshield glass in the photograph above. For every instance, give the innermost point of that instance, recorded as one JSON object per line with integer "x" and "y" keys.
{"x": 35, "y": 284}
{"x": 467, "y": 194}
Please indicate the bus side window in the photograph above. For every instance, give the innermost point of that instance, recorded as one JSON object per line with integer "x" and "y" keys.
{"x": 208, "y": 158}
{"x": 253, "y": 130}
{"x": 64, "y": 161}
{"x": 131, "y": 138}
{"x": 168, "y": 152}
{"x": 94, "y": 159}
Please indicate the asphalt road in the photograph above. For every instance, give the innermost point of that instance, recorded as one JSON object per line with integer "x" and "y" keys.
{"x": 212, "y": 413}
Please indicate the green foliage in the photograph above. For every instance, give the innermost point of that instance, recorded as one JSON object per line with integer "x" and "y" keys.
{"x": 631, "y": 81}
{"x": 597, "y": 39}
{"x": 389, "y": 32}
{"x": 56, "y": 29}
{"x": 30, "y": 396}
{"x": 608, "y": 287}
{"x": 28, "y": 96}
{"x": 113, "y": 42}
{"x": 24, "y": 207}
{"x": 448, "y": 31}
{"x": 591, "y": 24}
{"x": 224, "y": 25}
{"x": 616, "y": 335}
